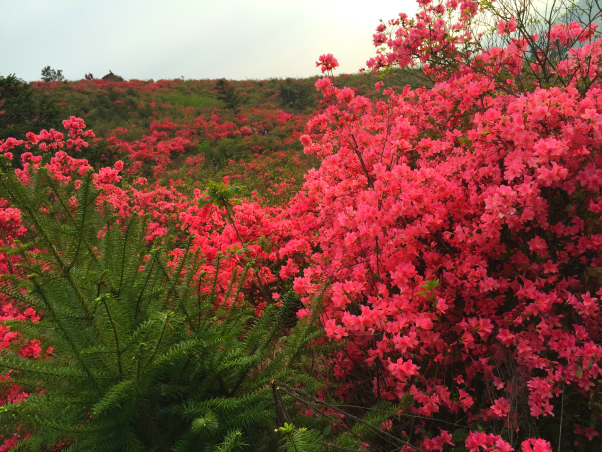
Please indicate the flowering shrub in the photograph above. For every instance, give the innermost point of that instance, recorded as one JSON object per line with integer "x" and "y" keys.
{"x": 543, "y": 45}
{"x": 459, "y": 230}
{"x": 218, "y": 139}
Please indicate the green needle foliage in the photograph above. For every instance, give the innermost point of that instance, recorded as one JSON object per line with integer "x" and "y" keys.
{"x": 143, "y": 357}
{"x": 301, "y": 440}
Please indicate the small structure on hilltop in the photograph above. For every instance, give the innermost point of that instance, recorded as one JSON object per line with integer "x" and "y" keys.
{"x": 110, "y": 77}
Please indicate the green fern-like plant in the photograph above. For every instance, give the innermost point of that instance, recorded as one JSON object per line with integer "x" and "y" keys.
{"x": 300, "y": 440}
{"x": 143, "y": 357}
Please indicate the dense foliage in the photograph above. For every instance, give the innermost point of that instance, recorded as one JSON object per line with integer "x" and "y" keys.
{"x": 446, "y": 240}
{"x": 23, "y": 109}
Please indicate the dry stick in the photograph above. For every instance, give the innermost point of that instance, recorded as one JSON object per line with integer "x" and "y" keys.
{"x": 561, "y": 416}
{"x": 288, "y": 388}
{"x": 10, "y": 263}
{"x": 281, "y": 413}
{"x": 336, "y": 446}
{"x": 314, "y": 406}
{"x": 416, "y": 417}
{"x": 257, "y": 275}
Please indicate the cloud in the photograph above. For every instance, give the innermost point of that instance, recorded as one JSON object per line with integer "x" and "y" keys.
{"x": 155, "y": 39}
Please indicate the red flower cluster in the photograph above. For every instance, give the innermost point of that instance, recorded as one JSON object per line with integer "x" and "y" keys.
{"x": 327, "y": 62}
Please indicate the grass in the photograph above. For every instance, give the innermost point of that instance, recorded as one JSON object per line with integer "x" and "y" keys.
{"x": 189, "y": 100}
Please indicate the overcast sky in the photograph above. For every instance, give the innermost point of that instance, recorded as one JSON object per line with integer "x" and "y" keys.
{"x": 152, "y": 39}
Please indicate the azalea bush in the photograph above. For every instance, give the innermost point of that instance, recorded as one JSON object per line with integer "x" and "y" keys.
{"x": 459, "y": 230}
{"x": 518, "y": 45}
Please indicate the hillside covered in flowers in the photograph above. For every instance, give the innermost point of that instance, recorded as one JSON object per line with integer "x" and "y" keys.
{"x": 403, "y": 259}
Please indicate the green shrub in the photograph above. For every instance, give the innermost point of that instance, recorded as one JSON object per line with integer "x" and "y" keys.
{"x": 143, "y": 356}
{"x": 297, "y": 94}
{"x": 24, "y": 109}
{"x": 226, "y": 149}
{"x": 231, "y": 97}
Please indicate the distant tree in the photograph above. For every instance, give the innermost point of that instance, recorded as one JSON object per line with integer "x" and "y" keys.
{"x": 22, "y": 109}
{"x": 50, "y": 75}
{"x": 231, "y": 97}
{"x": 297, "y": 94}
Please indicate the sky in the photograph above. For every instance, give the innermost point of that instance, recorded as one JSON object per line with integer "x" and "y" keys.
{"x": 196, "y": 39}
